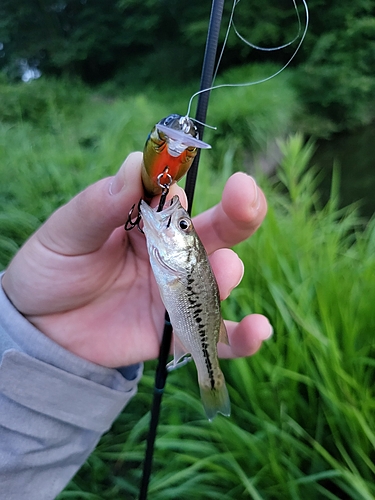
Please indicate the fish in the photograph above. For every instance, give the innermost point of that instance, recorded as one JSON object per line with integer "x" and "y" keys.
{"x": 190, "y": 294}
{"x": 169, "y": 151}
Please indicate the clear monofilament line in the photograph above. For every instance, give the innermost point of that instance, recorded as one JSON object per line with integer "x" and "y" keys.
{"x": 266, "y": 49}
{"x": 279, "y": 47}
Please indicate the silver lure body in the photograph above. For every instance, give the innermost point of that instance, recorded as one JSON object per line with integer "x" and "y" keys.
{"x": 190, "y": 294}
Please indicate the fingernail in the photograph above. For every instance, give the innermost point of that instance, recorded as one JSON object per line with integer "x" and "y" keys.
{"x": 117, "y": 183}
{"x": 256, "y": 201}
{"x": 242, "y": 273}
{"x": 239, "y": 281}
{"x": 270, "y": 333}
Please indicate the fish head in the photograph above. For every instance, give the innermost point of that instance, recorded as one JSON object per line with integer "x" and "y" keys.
{"x": 170, "y": 233}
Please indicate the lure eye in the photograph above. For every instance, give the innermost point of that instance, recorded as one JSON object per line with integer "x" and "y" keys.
{"x": 184, "y": 224}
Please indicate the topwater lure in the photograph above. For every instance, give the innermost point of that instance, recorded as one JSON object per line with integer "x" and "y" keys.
{"x": 190, "y": 294}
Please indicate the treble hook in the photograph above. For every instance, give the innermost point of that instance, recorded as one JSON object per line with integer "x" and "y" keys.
{"x": 131, "y": 224}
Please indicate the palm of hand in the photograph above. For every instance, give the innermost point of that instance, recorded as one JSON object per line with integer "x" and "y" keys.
{"x": 103, "y": 305}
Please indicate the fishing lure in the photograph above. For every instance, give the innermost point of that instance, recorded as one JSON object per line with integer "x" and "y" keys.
{"x": 169, "y": 152}
{"x": 190, "y": 294}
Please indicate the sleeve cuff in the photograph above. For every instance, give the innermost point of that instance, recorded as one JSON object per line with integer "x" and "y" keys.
{"x": 43, "y": 376}
{"x": 61, "y": 395}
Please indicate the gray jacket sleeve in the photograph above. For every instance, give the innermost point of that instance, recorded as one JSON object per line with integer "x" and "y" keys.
{"x": 54, "y": 407}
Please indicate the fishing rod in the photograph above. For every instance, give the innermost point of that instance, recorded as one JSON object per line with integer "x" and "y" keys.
{"x": 201, "y": 112}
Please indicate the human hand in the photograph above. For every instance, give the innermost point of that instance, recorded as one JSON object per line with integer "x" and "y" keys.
{"x": 87, "y": 284}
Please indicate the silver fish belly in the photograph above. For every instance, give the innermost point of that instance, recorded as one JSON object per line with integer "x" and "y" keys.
{"x": 190, "y": 294}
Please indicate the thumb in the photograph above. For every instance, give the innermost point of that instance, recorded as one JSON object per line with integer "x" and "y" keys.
{"x": 85, "y": 222}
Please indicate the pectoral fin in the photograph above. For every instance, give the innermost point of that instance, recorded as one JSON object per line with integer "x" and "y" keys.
{"x": 223, "y": 335}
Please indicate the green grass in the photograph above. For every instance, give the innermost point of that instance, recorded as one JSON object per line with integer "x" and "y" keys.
{"x": 302, "y": 424}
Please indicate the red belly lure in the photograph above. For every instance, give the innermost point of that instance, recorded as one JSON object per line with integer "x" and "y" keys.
{"x": 170, "y": 149}
{"x": 169, "y": 152}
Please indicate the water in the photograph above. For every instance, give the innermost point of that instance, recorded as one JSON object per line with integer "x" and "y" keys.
{"x": 354, "y": 153}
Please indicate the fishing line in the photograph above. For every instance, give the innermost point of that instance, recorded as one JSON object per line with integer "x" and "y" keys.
{"x": 265, "y": 49}
{"x": 270, "y": 49}
{"x": 206, "y": 85}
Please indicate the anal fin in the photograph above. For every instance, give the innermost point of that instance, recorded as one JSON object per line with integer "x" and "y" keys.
{"x": 181, "y": 357}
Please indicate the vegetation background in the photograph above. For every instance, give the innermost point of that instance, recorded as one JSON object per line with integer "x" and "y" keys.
{"x": 304, "y": 406}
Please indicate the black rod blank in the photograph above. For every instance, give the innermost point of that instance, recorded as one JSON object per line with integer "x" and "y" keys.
{"x": 202, "y": 106}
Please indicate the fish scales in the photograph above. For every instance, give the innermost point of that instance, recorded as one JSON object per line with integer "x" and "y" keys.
{"x": 195, "y": 314}
{"x": 190, "y": 294}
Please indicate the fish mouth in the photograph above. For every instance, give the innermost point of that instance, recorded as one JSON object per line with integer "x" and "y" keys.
{"x": 157, "y": 221}
{"x": 151, "y": 215}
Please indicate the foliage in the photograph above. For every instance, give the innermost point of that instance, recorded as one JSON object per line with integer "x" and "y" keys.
{"x": 303, "y": 407}
{"x": 90, "y": 39}
{"x": 264, "y": 112}
{"x": 76, "y": 37}
{"x": 341, "y": 68}
{"x": 162, "y": 41}
{"x": 94, "y": 40}
{"x": 39, "y": 102}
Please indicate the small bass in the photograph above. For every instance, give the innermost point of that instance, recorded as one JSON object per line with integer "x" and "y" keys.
{"x": 190, "y": 294}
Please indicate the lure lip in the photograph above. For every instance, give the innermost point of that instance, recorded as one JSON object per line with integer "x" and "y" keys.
{"x": 178, "y": 135}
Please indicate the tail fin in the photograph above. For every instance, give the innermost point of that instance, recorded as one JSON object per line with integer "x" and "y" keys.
{"x": 215, "y": 400}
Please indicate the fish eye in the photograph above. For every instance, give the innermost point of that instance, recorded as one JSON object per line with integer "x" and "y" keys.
{"x": 184, "y": 224}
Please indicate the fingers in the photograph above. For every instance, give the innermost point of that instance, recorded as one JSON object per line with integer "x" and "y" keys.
{"x": 228, "y": 269}
{"x": 240, "y": 212}
{"x": 84, "y": 224}
{"x": 245, "y": 337}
